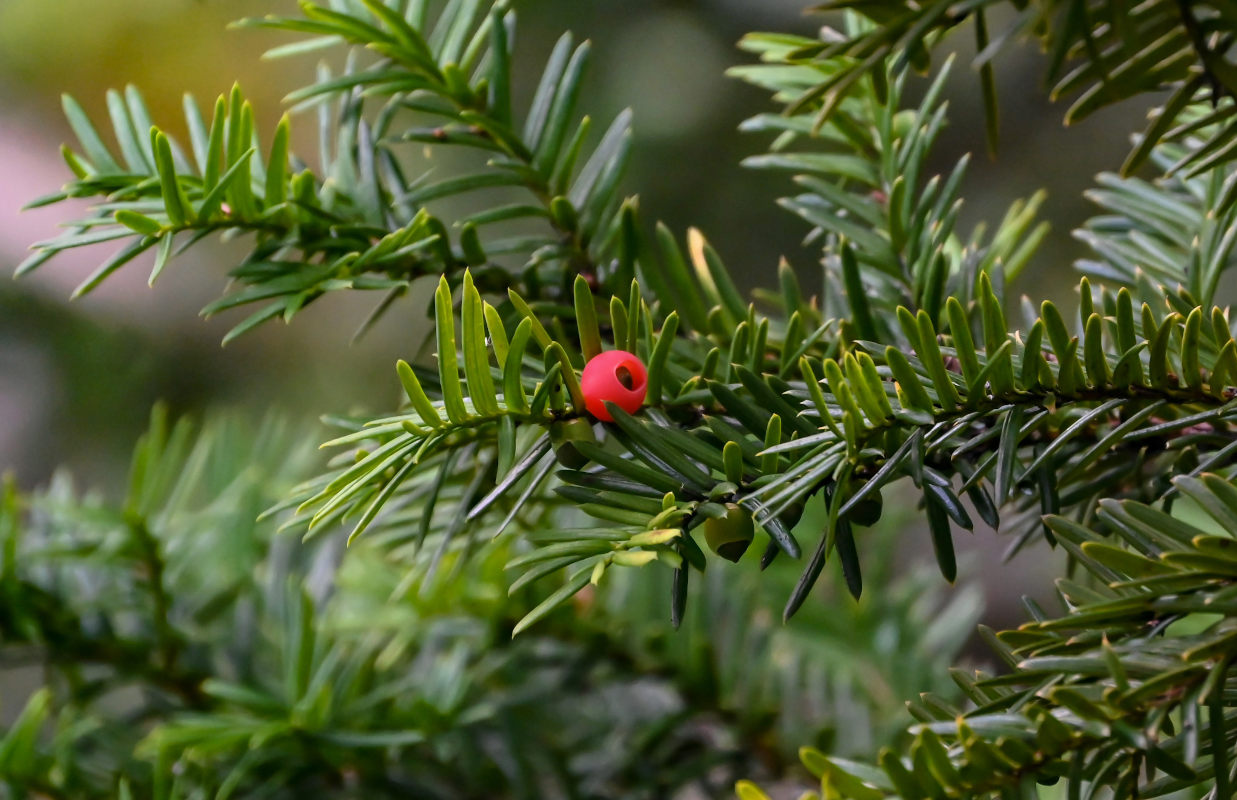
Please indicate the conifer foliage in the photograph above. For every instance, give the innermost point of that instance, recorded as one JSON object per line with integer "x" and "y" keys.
{"x": 494, "y": 504}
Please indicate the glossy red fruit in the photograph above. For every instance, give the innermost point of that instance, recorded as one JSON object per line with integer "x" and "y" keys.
{"x": 615, "y": 376}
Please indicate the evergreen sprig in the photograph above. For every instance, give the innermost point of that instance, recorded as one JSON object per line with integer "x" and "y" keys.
{"x": 887, "y": 229}
{"x": 364, "y": 224}
{"x": 1048, "y": 413}
{"x": 1051, "y": 424}
{"x": 312, "y": 235}
{"x": 1126, "y": 690}
{"x": 1099, "y": 53}
{"x": 1155, "y": 236}
{"x": 797, "y": 411}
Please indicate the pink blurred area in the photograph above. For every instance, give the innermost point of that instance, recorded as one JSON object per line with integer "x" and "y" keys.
{"x": 28, "y": 151}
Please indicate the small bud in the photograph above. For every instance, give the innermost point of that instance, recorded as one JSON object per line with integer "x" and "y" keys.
{"x": 730, "y": 535}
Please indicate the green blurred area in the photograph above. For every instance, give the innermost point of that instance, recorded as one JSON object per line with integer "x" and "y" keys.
{"x": 77, "y": 379}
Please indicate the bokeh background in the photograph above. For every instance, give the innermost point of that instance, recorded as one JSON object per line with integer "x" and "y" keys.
{"x": 77, "y": 379}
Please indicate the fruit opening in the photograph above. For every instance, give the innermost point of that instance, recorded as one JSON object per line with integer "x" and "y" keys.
{"x": 733, "y": 551}
{"x": 625, "y": 377}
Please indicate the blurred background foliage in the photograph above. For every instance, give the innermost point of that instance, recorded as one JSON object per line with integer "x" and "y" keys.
{"x": 77, "y": 379}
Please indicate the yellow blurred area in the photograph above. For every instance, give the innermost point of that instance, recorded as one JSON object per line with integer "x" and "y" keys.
{"x": 165, "y": 47}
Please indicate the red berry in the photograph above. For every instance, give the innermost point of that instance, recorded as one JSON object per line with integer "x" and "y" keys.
{"x": 614, "y": 376}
